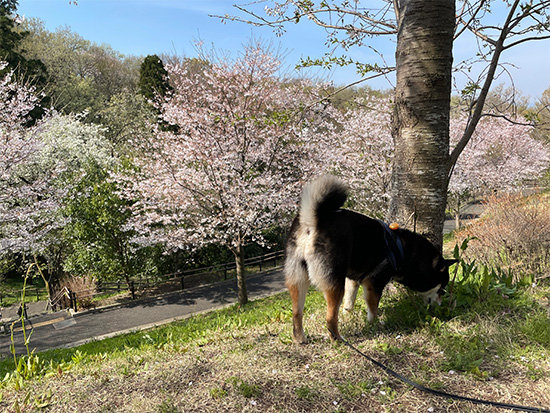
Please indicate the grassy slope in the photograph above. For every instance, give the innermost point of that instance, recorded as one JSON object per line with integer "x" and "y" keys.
{"x": 243, "y": 359}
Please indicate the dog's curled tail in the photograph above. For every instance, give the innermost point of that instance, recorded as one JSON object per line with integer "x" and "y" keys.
{"x": 321, "y": 197}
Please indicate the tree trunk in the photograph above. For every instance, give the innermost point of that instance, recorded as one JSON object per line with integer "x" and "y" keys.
{"x": 241, "y": 275}
{"x": 421, "y": 116}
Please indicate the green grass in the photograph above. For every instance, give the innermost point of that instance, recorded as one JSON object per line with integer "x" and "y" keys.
{"x": 306, "y": 393}
{"x": 198, "y": 329}
{"x": 10, "y": 291}
{"x": 402, "y": 313}
{"x": 482, "y": 335}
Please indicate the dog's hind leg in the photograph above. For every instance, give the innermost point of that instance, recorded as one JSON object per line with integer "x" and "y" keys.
{"x": 350, "y": 294}
{"x": 298, "y": 293}
{"x": 333, "y": 296}
{"x": 297, "y": 282}
{"x": 372, "y": 294}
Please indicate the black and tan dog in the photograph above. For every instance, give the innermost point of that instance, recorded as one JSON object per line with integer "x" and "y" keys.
{"x": 336, "y": 250}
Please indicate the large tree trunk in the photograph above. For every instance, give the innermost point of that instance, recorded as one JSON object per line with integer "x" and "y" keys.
{"x": 421, "y": 115}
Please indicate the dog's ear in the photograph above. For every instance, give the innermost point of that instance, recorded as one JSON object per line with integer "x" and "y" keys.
{"x": 442, "y": 265}
{"x": 448, "y": 263}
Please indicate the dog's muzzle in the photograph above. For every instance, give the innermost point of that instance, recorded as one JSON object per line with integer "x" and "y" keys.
{"x": 433, "y": 296}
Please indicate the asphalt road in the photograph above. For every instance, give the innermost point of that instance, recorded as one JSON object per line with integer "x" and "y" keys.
{"x": 60, "y": 329}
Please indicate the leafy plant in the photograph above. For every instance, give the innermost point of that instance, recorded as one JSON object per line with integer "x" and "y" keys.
{"x": 245, "y": 389}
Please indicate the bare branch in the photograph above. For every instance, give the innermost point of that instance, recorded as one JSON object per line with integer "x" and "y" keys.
{"x": 396, "y": 9}
{"x": 478, "y": 106}
{"x": 478, "y": 33}
{"x": 466, "y": 25}
{"x": 372, "y": 26}
{"x": 506, "y": 118}
{"x": 527, "y": 39}
{"x": 384, "y": 73}
{"x": 529, "y": 11}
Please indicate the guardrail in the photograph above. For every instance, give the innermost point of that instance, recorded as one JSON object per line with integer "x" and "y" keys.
{"x": 180, "y": 279}
{"x": 65, "y": 298}
{"x": 16, "y": 295}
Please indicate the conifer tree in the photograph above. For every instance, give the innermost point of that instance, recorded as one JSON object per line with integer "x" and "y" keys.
{"x": 153, "y": 78}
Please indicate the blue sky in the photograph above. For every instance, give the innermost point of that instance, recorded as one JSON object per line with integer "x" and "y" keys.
{"x": 142, "y": 27}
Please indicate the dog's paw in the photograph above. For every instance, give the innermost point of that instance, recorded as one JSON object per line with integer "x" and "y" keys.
{"x": 300, "y": 340}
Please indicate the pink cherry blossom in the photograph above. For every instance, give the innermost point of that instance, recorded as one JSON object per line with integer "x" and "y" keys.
{"x": 244, "y": 144}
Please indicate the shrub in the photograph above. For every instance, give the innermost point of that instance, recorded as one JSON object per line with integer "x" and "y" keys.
{"x": 84, "y": 287}
{"x": 513, "y": 234}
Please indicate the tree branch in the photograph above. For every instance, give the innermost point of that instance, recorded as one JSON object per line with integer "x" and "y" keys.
{"x": 506, "y": 118}
{"x": 476, "y": 116}
{"x": 527, "y": 39}
{"x": 302, "y": 12}
{"x": 472, "y": 17}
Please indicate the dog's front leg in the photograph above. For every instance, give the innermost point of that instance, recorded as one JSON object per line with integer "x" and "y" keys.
{"x": 372, "y": 294}
{"x": 350, "y": 294}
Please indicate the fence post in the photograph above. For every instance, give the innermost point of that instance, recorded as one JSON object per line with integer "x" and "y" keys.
{"x": 182, "y": 286}
{"x": 118, "y": 285}
{"x": 261, "y": 260}
{"x": 133, "y": 290}
{"x": 73, "y": 306}
{"x": 225, "y": 271}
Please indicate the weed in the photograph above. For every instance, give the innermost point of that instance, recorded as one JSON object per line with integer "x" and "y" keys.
{"x": 78, "y": 357}
{"x": 463, "y": 351}
{"x": 305, "y": 393}
{"x": 167, "y": 406}
{"x": 388, "y": 348}
{"x": 534, "y": 373}
{"x": 218, "y": 392}
{"x": 353, "y": 390}
{"x": 537, "y": 329}
{"x": 243, "y": 388}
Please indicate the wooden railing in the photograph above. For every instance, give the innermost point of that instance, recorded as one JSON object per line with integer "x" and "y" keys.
{"x": 66, "y": 298}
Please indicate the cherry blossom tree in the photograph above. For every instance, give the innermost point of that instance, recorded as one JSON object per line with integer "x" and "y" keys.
{"x": 20, "y": 225}
{"x": 39, "y": 166}
{"x": 501, "y": 156}
{"x": 236, "y": 160}
{"x": 362, "y": 153}
{"x": 424, "y": 34}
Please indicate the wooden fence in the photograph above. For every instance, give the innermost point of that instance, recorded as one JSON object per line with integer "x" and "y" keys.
{"x": 178, "y": 280}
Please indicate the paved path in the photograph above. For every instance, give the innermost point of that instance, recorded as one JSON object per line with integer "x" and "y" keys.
{"x": 60, "y": 329}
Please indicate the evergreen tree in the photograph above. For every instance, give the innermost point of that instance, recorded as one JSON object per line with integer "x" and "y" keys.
{"x": 9, "y": 38}
{"x": 153, "y": 78}
{"x": 153, "y": 84}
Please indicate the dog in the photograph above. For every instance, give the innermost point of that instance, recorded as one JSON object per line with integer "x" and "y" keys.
{"x": 337, "y": 250}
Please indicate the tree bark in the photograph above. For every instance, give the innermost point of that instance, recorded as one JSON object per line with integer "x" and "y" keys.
{"x": 241, "y": 273}
{"x": 421, "y": 116}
